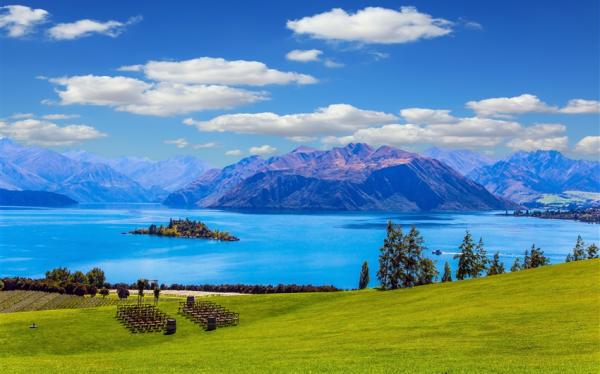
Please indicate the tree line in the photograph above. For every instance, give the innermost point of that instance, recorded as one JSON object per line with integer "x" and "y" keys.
{"x": 403, "y": 265}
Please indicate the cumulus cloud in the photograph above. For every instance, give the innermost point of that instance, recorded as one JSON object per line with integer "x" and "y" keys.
{"x": 234, "y": 152}
{"x": 33, "y": 131}
{"x": 333, "y": 119}
{"x": 301, "y": 55}
{"x": 372, "y": 25}
{"x": 542, "y": 136}
{"x": 22, "y": 115}
{"x": 263, "y": 150}
{"x": 19, "y": 20}
{"x": 581, "y": 106}
{"x": 301, "y": 139}
{"x": 471, "y": 132}
{"x": 589, "y": 145}
{"x": 149, "y": 98}
{"x": 426, "y": 116}
{"x": 88, "y": 27}
{"x": 209, "y": 70}
{"x": 507, "y": 106}
{"x": 179, "y": 143}
{"x": 332, "y": 64}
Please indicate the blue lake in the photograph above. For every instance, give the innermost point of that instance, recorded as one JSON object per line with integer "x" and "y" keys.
{"x": 317, "y": 248}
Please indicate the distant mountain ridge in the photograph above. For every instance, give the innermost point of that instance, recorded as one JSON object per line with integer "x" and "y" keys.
{"x": 462, "y": 160}
{"x": 526, "y": 176}
{"x": 355, "y": 177}
{"x": 86, "y": 177}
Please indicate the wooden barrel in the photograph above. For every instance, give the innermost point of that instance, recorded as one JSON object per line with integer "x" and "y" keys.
{"x": 211, "y": 323}
{"x": 171, "y": 326}
{"x": 190, "y": 301}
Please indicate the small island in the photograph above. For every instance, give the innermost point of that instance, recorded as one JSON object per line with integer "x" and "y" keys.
{"x": 185, "y": 228}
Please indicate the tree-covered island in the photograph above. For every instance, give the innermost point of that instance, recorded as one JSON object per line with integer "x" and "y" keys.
{"x": 185, "y": 228}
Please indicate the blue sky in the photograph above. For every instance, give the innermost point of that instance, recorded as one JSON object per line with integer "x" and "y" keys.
{"x": 490, "y": 76}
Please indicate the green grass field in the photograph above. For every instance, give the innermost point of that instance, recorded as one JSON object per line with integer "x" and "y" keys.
{"x": 541, "y": 320}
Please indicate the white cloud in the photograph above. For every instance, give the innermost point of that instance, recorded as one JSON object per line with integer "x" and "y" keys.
{"x": 301, "y": 139}
{"x": 581, "y": 106}
{"x": 426, "y": 116}
{"x": 159, "y": 99}
{"x": 332, "y": 64}
{"x": 466, "y": 133}
{"x": 19, "y": 20}
{"x": 33, "y": 131}
{"x": 372, "y": 25}
{"x": 301, "y": 55}
{"x": 209, "y": 70}
{"x": 263, "y": 150}
{"x": 54, "y": 117}
{"x": 88, "y": 27}
{"x": 205, "y": 145}
{"x": 589, "y": 145}
{"x": 179, "y": 143}
{"x": 333, "y": 119}
{"x": 234, "y": 152}
{"x": 506, "y": 106}
{"x": 22, "y": 115}
{"x": 541, "y": 136}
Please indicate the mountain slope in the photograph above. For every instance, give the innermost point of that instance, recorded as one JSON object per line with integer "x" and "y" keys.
{"x": 33, "y": 168}
{"x": 525, "y": 177}
{"x": 169, "y": 175}
{"x": 462, "y": 160}
{"x": 355, "y": 177}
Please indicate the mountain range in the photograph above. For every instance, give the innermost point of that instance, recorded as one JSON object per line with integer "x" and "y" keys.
{"x": 526, "y": 176}
{"x": 462, "y": 160}
{"x": 89, "y": 178}
{"x": 355, "y": 177}
{"x": 34, "y": 199}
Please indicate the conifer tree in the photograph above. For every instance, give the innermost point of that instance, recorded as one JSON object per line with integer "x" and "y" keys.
{"x": 526, "y": 260}
{"x": 364, "y": 279}
{"x": 516, "y": 266}
{"x": 388, "y": 257}
{"x": 413, "y": 267}
{"x": 447, "y": 277}
{"x": 467, "y": 260}
{"x": 496, "y": 267}
{"x": 578, "y": 252}
{"x": 427, "y": 272}
{"x": 537, "y": 258}
{"x": 592, "y": 251}
{"x": 481, "y": 259}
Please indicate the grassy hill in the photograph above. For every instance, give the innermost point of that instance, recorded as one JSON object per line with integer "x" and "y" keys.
{"x": 540, "y": 320}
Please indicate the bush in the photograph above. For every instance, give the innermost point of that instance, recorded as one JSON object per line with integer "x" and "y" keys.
{"x": 92, "y": 290}
{"x": 104, "y": 292}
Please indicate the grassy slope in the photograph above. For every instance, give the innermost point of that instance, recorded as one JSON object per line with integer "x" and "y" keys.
{"x": 537, "y": 320}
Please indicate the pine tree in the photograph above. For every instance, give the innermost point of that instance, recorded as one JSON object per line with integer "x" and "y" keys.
{"x": 496, "y": 267}
{"x": 578, "y": 252}
{"x": 388, "y": 257}
{"x": 516, "y": 266}
{"x": 467, "y": 259}
{"x": 364, "y": 279}
{"x": 481, "y": 259}
{"x": 427, "y": 272}
{"x": 537, "y": 258}
{"x": 447, "y": 277}
{"x": 592, "y": 251}
{"x": 413, "y": 267}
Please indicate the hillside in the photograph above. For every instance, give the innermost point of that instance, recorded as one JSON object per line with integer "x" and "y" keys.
{"x": 462, "y": 160}
{"x": 540, "y": 320}
{"x": 355, "y": 177}
{"x": 34, "y": 198}
{"x": 535, "y": 176}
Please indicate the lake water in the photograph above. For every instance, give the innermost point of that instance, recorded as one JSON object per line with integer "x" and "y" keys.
{"x": 316, "y": 248}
